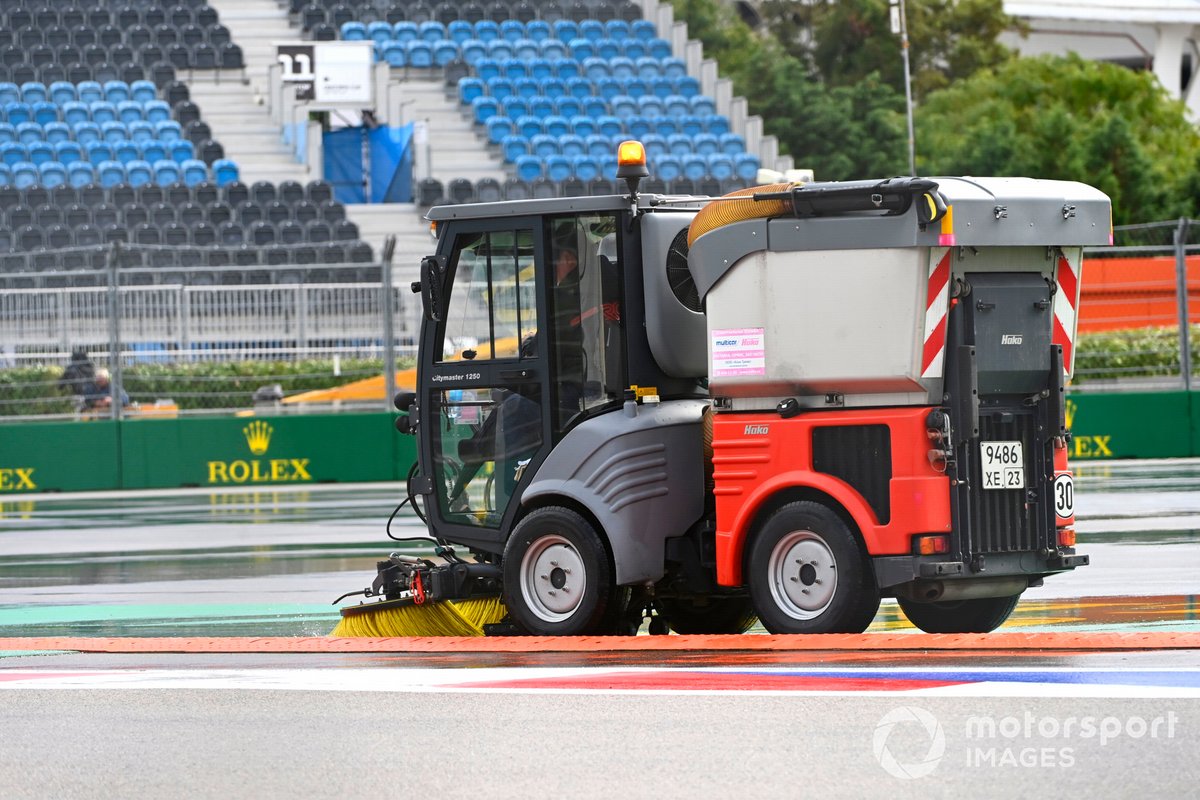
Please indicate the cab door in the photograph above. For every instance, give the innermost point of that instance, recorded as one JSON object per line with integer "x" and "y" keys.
{"x": 483, "y": 378}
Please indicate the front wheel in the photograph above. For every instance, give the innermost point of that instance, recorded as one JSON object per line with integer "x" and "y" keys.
{"x": 557, "y": 577}
{"x": 980, "y": 615}
{"x": 808, "y": 573}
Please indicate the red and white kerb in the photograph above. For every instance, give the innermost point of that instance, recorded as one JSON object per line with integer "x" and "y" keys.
{"x": 937, "y": 305}
{"x": 1066, "y": 304}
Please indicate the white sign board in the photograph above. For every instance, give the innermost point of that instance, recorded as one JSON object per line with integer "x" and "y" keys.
{"x": 329, "y": 74}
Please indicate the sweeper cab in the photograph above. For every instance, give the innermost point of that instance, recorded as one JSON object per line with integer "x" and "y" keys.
{"x": 781, "y": 404}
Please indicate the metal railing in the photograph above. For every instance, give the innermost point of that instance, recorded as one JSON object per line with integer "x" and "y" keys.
{"x": 1138, "y": 327}
{"x": 212, "y": 344}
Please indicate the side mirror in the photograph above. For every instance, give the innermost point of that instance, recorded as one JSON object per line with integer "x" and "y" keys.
{"x": 432, "y": 275}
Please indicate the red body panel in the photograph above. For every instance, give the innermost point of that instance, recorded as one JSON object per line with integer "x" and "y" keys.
{"x": 1062, "y": 468}
{"x": 757, "y": 455}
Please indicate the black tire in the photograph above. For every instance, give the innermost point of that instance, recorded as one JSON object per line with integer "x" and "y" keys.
{"x": 711, "y": 615}
{"x": 557, "y": 577}
{"x": 980, "y": 615}
{"x": 794, "y": 597}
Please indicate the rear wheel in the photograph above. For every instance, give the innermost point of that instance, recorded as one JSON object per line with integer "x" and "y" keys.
{"x": 557, "y": 577}
{"x": 708, "y": 615}
{"x": 980, "y": 615}
{"x": 808, "y": 573}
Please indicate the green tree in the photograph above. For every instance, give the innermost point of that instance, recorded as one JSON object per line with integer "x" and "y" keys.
{"x": 1071, "y": 119}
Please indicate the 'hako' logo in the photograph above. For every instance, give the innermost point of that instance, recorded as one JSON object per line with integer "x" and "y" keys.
{"x": 275, "y": 470}
{"x": 756, "y": 430}
{"x": 1011, "y": 338}
{"x": 258, "y": 436}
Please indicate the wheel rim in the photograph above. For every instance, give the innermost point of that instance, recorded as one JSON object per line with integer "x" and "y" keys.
{"x": 552, "y": 578}
{"x": 802, "y": 574}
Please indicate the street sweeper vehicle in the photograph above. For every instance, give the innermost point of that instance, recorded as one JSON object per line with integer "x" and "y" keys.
{"x": 782, "y": 404}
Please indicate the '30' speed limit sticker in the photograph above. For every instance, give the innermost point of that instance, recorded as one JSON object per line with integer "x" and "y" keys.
{"x": 1064, "y": 496}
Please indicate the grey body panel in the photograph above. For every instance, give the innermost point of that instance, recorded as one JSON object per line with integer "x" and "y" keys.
{"x": 641, "y": 477}
{"x": 520, "y": 208}
{"x": 987, "y": 212}
{"x": 675, "y": 332}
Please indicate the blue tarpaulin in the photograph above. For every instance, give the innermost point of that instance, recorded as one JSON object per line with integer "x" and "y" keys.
{"x": 390, "y": 157}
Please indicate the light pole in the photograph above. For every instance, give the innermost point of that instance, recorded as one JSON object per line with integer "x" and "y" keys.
{"x": 900, "y": 26}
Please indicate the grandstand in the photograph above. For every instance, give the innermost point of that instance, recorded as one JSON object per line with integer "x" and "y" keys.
{"x": 154, "y": 127}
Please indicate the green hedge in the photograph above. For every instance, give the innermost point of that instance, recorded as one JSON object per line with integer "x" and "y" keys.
{"x": 197, "y": 385}
{"x": 1137, "y": 353}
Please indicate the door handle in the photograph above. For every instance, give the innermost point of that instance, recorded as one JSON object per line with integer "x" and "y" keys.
{"x": 518, "y": 374}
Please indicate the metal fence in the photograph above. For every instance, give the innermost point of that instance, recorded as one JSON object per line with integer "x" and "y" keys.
{"x": 222, "y": 340}
{"x": 1139, "y": 316}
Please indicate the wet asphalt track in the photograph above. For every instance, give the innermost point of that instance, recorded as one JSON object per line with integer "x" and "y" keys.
{"x": 267, "y": 563}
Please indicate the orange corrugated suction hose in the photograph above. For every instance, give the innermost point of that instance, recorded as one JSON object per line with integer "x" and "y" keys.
{"x": 723, "y": 212}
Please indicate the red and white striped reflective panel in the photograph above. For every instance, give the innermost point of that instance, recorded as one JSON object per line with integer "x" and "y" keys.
{"x": 1066, "y": 304}
{"x": 937, "y": 304}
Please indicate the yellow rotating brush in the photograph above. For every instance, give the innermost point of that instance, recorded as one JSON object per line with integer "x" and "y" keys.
{"x": 405, "y": 618}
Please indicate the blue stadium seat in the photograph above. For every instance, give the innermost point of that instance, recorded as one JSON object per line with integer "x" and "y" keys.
{"x": 607, "y": 88}
{"x": 41, "y": 152}
{"x": 487, "y": 69}
{"x": 597, "y": 145}
{"x": 166, "y": 131}
{"x": 636, "y": 88}
{"x": 638, "y": 126}
{"x": 157, "y": 111}
{"x": 127, "y": 151}
{"x": 667, "y": 168}
{"x": 90, "y": 92}
{"x": 656, "y": 146}
{"x": 29, "y": 132}
{"x": 691, "y": 125}
{"x": 166, "y": 172}
{"x": 676, "y": 106}
{"x": 514, "y": 68}
{"x": 45, "y": 112}
{"x": 527, "y": 50}
{"x": 634, "y": 49}
{"x": 116, "y": 91}
{"x": 610, "y": 126}
{"x": 514, "y": 106}
{"x": 579, "y": 88}
{"x": 643, "y": 29}
{"x": 225, "y": 172}
{"x": 595, "y": 107}
{"x": 153, "y": 151}
{"x": 403, "y": 32}
{"x": 110, "y": 173}
{"x": 68, "y": 152}
{"x": 52, "y": 174}
{"x": 541, "y": 106}
{"x": 381, "y": 33}
{"x": 731, "y": 144}
{"x": 745, "y": 166}
{"x": 651, "y": 106}
{"x": 529, "y": 126}
{"x": 24, "y": 174}
{"x": 513, "y": 147}
{"x": 34, "y": 92}
{"x": 528, "y": 168}
{"x": 567, "y": 69}
{"x": 473, "y": 51}
{"x": 695, "y": 167}
{"x": 648, "y": 69}
{"x": 583, "y": 126}
{"x": 460, "y": 31}
{"x": 568, "y": 106}
{"x": 565, "y": 30}
{"x": 129, "y": 111}
{"x": 666, "y": 126}
{"x": 679, "y": 144}
{"x": 623, "y": 106}
{"x": 484, "y": 108}
{"x": 703, "y": 106}
{"x": 7, "y": 133}
{"x": 80, "y": 173}
{"x": 538, "y": 30}
{"x": 354, "y": 31}
{"x": 141, "y": 132}
{"x": 5, "y": 176}
{"x": 591, "y": 29}
{"x": 182, "y": 151}
{"x": 394, "y": 54}
{"x": 487, "y": 30}
{"x": 498, "y": 127}
{"x": 572, "y": 145}
{"x": 113, "y": 131}
{"x": 585, "y": 167}
{"x": 617, "y": 29}
{"x": 687, "y": 86}
{"x": 717, "y": 124}
{"x": 521, "y": 87}
{"x": 558, "y": 168}
{"x": 512, "y": 30}
{"x": 55, "y": 132}
{"x": 103, "y": 111}
{"x": 195, "y": 171}
{"x": 62, "y": 92}
{"x": 544, "y": 146}
{"x": 541, "y": 69}
{"x": 673, "y": 68}
{"x": 705, "y": 144}
{"x": 557, "y": 125}
{"x": 75, "y": 113}
{"x": 658, "y": 48}
{"x": 500, "y": 50}
{"x": 9, "y": 93}
{"x": 581, "y": 49}
{"x": 552, "y": 87}
{"x": 444, "y": 53}
{"x": 431, "y": 31}
{"x": 139, "y": 173}
{"x": 596, "y": 69}
{"x": 99, "y": 151}
{"x": 420, "y": 54}
{"x": 720, "y": 166}
{"x": 608, "y": 49}
{"x": 16, "y": 113}
{"x": 554, "y": 52}
{"x": 469, "y": 89}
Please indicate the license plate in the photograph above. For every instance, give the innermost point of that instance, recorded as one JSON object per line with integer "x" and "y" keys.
{"x": 1003, "y": 465}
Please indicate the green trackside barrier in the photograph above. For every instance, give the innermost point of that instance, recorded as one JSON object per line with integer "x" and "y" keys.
{"x": 59, "y": 457}
{"x": 209, "y": 452}
{"x": 1134, "y": 425}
